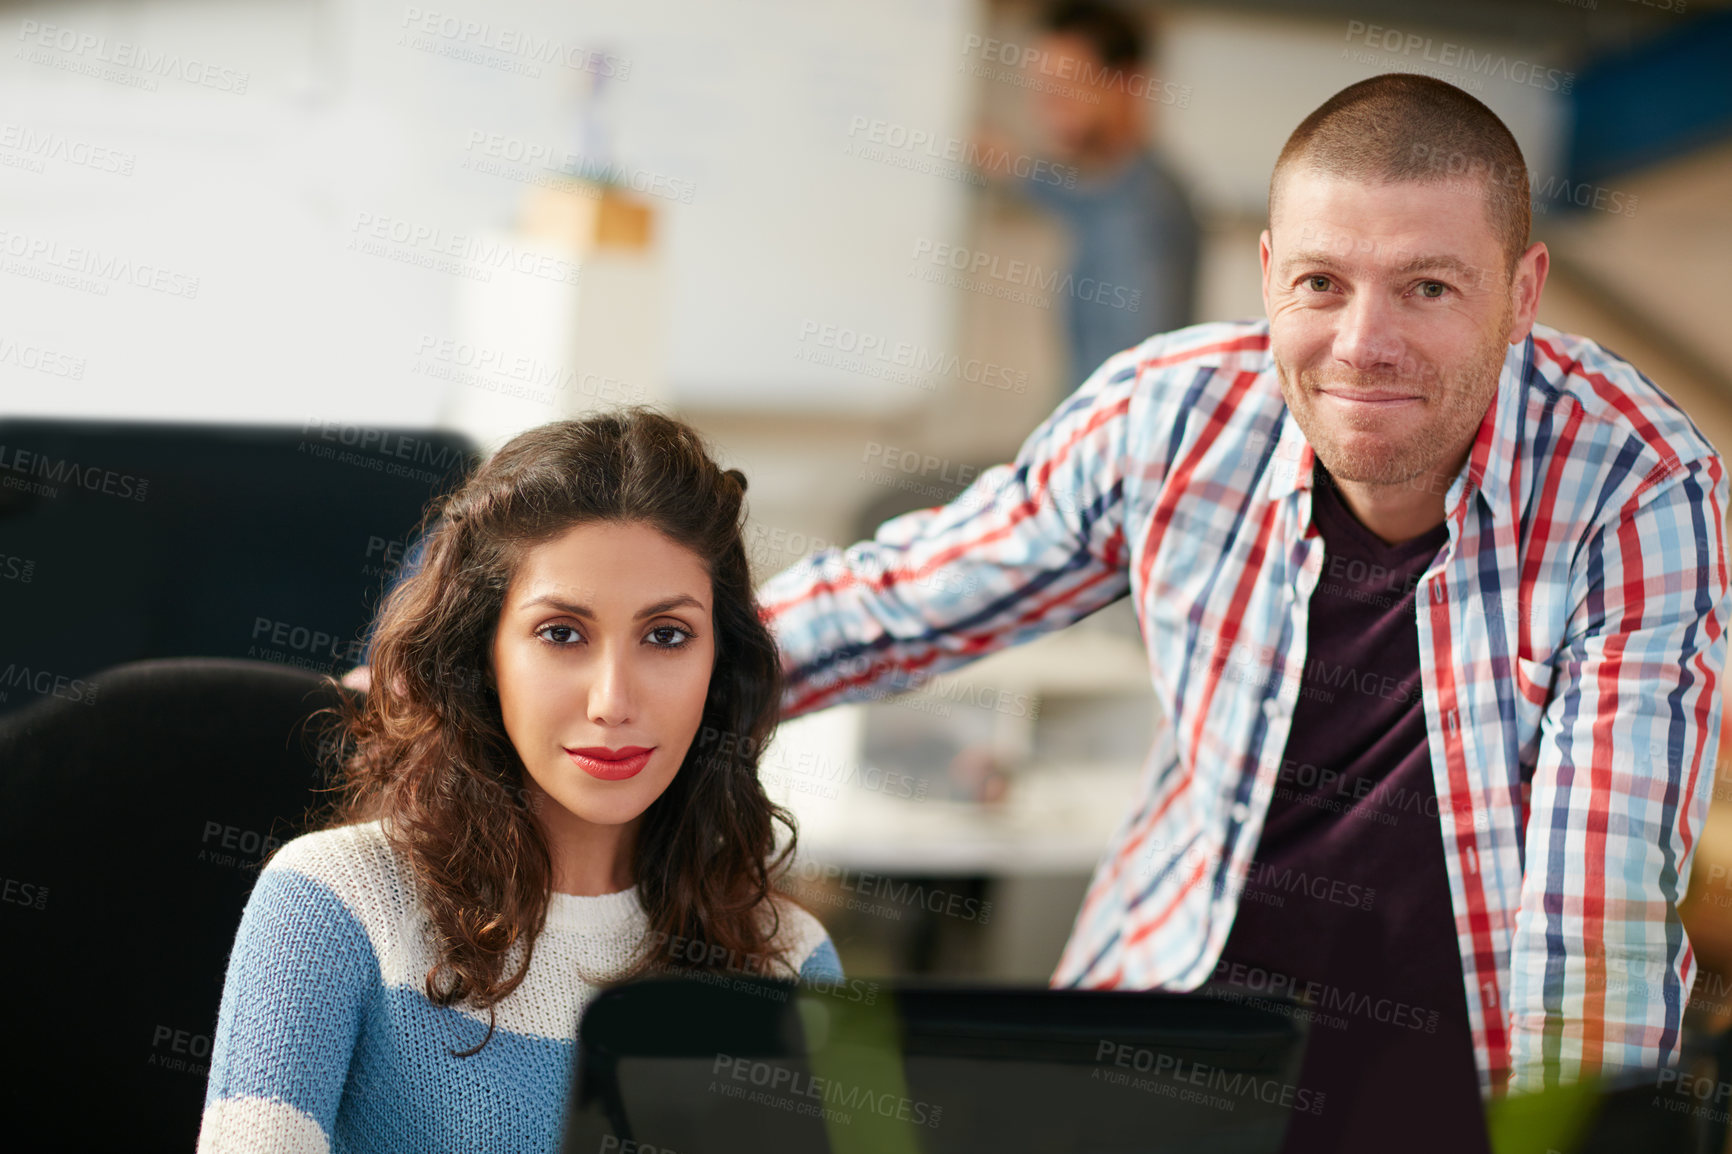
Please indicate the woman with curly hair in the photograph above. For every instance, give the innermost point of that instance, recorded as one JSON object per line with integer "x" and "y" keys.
{"x": 551, "y": 785}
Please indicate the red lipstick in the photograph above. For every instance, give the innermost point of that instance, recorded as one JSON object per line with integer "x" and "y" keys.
{"x": 611, "y": 764}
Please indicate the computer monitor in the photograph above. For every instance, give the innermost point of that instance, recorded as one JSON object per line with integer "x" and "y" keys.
{"x": 724, "y": 1064}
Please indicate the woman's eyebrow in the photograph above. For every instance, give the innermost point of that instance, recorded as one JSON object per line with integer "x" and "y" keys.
{"x": 554, "y": 602}
{"x": 676, "y": 602}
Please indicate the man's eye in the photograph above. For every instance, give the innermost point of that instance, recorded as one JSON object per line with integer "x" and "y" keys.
{"x": 558, "y": 634}
{"x": 1318, "y": 283}
{"x": 668, "y": 636}
{"x": 1432, "y": 289}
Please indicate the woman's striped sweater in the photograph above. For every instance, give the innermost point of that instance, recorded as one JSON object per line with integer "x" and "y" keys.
{"x": 326, "y": 1040}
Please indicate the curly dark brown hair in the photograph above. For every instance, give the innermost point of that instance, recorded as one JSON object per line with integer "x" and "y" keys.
{"x": 426, "y": 749}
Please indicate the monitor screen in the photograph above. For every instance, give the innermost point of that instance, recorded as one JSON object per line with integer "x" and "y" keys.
{"x": 671, "y": 1066}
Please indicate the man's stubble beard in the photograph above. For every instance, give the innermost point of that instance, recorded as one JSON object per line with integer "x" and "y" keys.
{"x": 1455, "y": 405}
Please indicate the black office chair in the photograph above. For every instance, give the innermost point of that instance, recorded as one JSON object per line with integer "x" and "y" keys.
{"x": 134, "y": 808}
{"x": 130, "y": 541}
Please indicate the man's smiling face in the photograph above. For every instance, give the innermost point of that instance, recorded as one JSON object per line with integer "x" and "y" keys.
{"x": 1391, "y": 306}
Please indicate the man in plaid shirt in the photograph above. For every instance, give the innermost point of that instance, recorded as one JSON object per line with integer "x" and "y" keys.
{"x": 1504, "y": 703}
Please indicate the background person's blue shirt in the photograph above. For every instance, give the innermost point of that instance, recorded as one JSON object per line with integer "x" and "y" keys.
{"x": 1135, "y": 243}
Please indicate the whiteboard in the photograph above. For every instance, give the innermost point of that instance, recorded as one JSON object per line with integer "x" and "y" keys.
{"x": 355, "y": 116}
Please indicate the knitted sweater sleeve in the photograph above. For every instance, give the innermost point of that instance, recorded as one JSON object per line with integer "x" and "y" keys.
{"x": 299, "y": 978}
{"x": 810, "y": 953}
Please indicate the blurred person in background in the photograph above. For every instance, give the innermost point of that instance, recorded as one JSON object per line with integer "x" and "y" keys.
{"x": 1132, "y": 229}
{"x": 1435, "y": 600}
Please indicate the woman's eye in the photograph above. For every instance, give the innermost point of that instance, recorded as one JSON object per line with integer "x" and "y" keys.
{"x": 1318, "y": 283}
{"x": 558, "y": 634}
{"x": 668, "y": 636}
{"x": 1426, "y": 289}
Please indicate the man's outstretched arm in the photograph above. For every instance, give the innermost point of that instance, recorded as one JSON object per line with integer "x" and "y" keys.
{"x": 1029, "y": 547}
{"x": 1601, "y": 968}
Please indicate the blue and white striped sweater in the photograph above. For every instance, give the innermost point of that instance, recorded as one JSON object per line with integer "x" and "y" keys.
{"x": 325, "y": 1039}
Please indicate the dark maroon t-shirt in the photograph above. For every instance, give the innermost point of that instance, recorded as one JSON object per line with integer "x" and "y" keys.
{"x": 1347, "y": 900}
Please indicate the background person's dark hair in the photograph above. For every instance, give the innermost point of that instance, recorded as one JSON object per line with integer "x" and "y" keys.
{"x": 1116, "y": 37}
{"x": 427, "y": 749}
{"x": 1404, "y": 127}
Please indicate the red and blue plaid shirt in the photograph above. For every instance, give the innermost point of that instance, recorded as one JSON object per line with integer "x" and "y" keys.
{"x": 1570, "y": 642}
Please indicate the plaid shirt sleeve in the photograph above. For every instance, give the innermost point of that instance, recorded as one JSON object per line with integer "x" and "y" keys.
{"x": 1600, "y": 965}
{"x": 1029, "y": 547}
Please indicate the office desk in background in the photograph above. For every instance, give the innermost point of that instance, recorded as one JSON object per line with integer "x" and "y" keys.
{"x": 893, "y": 841}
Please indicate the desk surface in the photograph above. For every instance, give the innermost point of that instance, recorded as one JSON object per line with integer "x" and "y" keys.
{"x": 1054, "y": 821}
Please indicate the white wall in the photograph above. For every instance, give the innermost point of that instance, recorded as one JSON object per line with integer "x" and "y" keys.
{"x": 245, "y": 197}
{"x": 1252, "y": 79}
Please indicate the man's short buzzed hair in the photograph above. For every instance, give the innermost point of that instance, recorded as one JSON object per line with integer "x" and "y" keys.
{"x": 1404, "y": 127}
